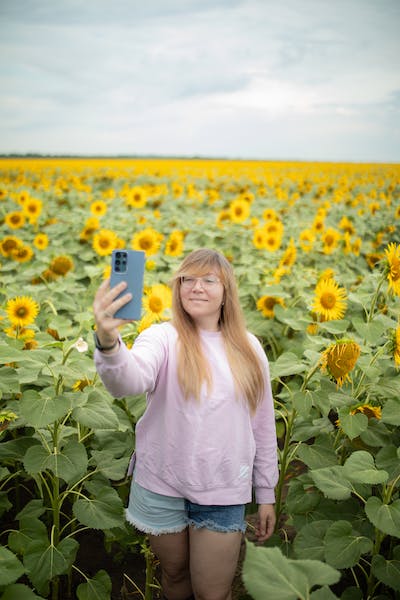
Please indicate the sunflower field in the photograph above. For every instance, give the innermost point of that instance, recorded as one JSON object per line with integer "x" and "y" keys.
{"x": 316, "y": 251}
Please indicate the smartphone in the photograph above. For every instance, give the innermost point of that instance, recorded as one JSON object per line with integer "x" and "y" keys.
{"x": 128, "y": 265}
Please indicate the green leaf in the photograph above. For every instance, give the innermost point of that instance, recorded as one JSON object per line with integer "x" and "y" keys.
{"x": 318, "y": 455}
{"x": 302, "y": 497}
{"x": 5, "y": 504}
{"x": 391, "y": 412}
{"x": 360, "y": 467}
{"x": 15, "y": 449}
{"x": 110, "y": 467}
{"x": 332, "y": 482}
{"x": 40, "y": 410}
{"x": 352, "y": 425}
{"x": 11, "y": 568}
{"x": 30, "y": 529}
{"x": 388, "y": 458}
{"x": 334, "y": 326}
{"x": 287, "y": 364}
{"x": 69, "y": 463}
{"x": 98, "y": 588}
{"x": 310, "y": 540}
{"x": 386, "y": 517}
{"x": 371, "y": 331}
{"x": 376, "y": 435}
{"x": 96, "y": 413}
{"x": 20, "y": 591}
{"x": 387, "y": 571}
{"x": 343, "y": 546}
{"x": 9, "y": 381}
{"x": 33, "y": 509}
{"x": 44, "y": 560}
{"x": 323, "y": 593}
{"x": 267, "y": 573}
{"x": 104, "y": 511}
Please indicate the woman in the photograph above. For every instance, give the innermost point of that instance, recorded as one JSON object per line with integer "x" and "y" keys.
{"x": 208, "y": 432}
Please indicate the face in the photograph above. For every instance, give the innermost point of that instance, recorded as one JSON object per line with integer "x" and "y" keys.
{"x": 202, "y": 298}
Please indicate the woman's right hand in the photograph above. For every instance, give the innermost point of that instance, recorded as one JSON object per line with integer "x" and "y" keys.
{"x": 104, "y": 307}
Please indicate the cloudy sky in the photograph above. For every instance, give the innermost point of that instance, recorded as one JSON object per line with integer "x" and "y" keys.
{"x": 269, "y": 79}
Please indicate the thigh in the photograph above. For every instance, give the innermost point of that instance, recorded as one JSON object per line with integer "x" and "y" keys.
{"x": 213, "y": 560}
{"x": 172, "y": 550}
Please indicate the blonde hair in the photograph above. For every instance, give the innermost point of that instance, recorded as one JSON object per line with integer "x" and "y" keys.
{"x": 193, "y": 367}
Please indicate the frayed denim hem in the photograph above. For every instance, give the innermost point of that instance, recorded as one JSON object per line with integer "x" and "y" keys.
{"x": 213, "y": 526}
{"x": 151, "y": 530}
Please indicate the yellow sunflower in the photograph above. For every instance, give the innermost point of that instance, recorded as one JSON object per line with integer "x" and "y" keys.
{"x": 104, "y": 242}
{"x": 396, "y": 346}
{"x": 260, "y": 238}
{"x": 223, "y": 217}
{"x": 266, "y": 305}
{"x": 22, "y": 254}
{"x": 270, "y": 214}
{"x": 392, "y": 268}
{"x": 306, "y": 240}
{"x": 330, "y": 239}
{"x": 136, "y": 197}
{"x": 32, "y": 208}
{"x": 148, "y": 240}
{"x": 339, "y": 359}
{"x": 22, "y": 311}
{"x": 98, "y": 208}
{"x": 61, "y": 265}
{"x": 15, "y": 219}
{"x": 174, "y": 245}
{"x": 9, "y": 244}
{"x": 41, "y": 241}
{"x": 239, "y": 210}
{"x": 273, "y": 242}
{"x": 330, "y": 300}
{"x": 289, "y": 256}
{"x": 157, "y": 300}
{"x": 370, "y": 411}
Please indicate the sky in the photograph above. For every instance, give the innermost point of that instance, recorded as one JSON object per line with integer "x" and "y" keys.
{"x": 251, "y": 79}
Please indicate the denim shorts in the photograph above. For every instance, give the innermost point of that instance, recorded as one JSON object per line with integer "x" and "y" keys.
{"x": 157, "y": 514}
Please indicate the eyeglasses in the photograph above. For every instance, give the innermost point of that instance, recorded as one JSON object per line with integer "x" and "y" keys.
{"x": 207, "y": 282}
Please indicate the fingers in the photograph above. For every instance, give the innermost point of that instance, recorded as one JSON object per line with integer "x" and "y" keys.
{"x": 105, "y": 305}
{"x": 266, "y": 522}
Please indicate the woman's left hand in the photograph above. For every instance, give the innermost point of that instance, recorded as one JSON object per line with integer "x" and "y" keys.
{"x": 265, "y": 522}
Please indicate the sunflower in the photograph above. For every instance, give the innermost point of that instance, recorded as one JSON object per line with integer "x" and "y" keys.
{"x": 274, "y": 227}
{"x": 174, "y": 245}
{"x": 273, "y": 242}
{"x": 41, "y": 241}
{"x": 20, "y": 333}
{"x": 330, "y": 299}
{"x": 22, "y": 254}
{"x": 370, "y": 411}
{"x": 330, "y": 239}
{"x": 15, "y": 219}
{"x": 148, "y": 240}
{"x": 339, "y": 359}
{"x": 318, "y": 225}
{"x": 270, "y": 214}
{"x": 395, "y": 343}
{"x": 157, "y": 299}
{"x": 98, "y": 208}
{"x": 392, "y": 268}
{"x": 104, "y": 242}
{"x": 9, "y": 244}
{"x": 306, "y": 240}
{"x": 266, "y": 304}
{"x": 22, "y": 311}
{"x": 80, "y": 384}
{"x": 6, "y": 417}
{"x": 136, "y": 197}
{"x": 222, "y": 217}
{"x": 60, "y": 265}
{"x": 32, "y": 208}
{"x": 260, "y": 237}
{"x": 289, "y": 256}
{"x": 239, "y": 210}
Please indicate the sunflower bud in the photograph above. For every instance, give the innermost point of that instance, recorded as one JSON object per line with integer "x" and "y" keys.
{"x": 339, "y": 359}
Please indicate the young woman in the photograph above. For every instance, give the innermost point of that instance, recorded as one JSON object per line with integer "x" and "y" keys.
{"x": 208, "y": 433}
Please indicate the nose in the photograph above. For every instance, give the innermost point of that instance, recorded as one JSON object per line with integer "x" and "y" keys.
{"x": 198, "y": 284}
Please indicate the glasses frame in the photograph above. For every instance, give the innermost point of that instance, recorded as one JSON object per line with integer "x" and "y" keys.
{"x": 193, "y": 281}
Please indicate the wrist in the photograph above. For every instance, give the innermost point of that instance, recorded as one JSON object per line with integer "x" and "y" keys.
{"x": 104, "y": 347}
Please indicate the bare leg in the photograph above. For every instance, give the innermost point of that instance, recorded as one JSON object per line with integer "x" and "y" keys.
{"x": 213, "y": 561}
{"x": 172, "y": 549}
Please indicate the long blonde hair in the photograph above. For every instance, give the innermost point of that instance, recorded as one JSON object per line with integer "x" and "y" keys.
{"x": 193, "y": 367}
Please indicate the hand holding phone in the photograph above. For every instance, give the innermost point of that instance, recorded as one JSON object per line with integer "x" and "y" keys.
{"x": 128, "y": 265}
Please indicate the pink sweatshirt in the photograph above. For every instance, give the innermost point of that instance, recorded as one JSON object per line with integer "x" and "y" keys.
{"x": 210, "y": 451}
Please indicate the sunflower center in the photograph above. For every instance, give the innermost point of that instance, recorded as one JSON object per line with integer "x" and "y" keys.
{"x": 21, "y": 312}
{"x": 146, "y": 243}
{"x": 328, "y": 300}
{"x": 155, "y": 304}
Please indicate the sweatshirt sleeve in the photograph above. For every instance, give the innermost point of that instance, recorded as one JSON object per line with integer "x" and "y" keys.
{"x": 130, "y": 372}
{"x": 265, "y": 470}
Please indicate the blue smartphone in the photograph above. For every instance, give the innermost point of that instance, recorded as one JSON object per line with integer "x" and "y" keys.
{"x": 128, "y": 265}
